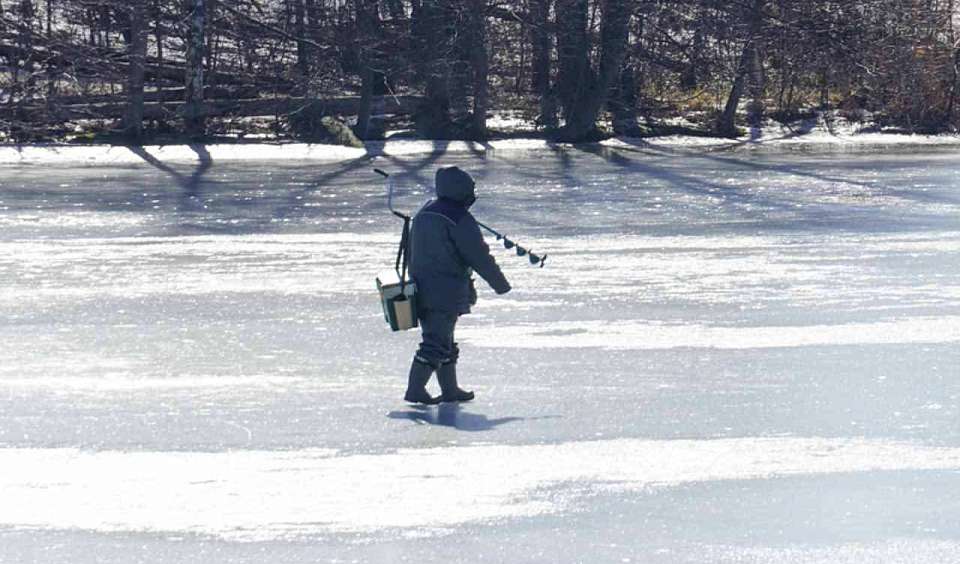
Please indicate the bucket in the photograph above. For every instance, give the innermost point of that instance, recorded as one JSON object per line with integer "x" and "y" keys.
{"x": 399, "y": 308}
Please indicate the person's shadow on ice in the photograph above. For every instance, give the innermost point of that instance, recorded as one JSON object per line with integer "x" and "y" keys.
{"x": 452, "y": 415}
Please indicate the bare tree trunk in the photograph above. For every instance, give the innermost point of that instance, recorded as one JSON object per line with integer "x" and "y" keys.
{"x": 623, "y": 103}
{"x": 757, "y": 83}
{"x": 460, "y": 82}
{"x": 481, "y": 67}
{"x": 430, "y": 28}
{"x": 51, "y": 82}
{"x": 212, "y": 53}
{"x": 955, "y": 86}
{"x": 573, "y": 47}
{"x": 581, "y": 116}
{"x": 623, "y": 95}
{"x": 12, "y": 63}
{"x": 158, "y": 35}
{"x": 368, "y": 20}
{"x": 690, "y": 77}
{"x": 312, "y": 30}
{"x": 137, "y": 52}
{"x": 542, "y": 46}
{"x": 462, "y": 14}
{"x": 954, "y": 70}
{"x": 726, "y": 123}
{"x": 24, "y": 38}
{"x": 194, "y": 119}
{"x": 300, "y": 31}
{"x": 362, "y": 129}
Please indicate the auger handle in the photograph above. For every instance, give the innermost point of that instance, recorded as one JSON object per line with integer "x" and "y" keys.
{"x": 496, "y": 233}
{"x": 390, "y": 194}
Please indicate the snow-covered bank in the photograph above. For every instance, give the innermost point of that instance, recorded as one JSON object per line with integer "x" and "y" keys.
{"x": 840, "y": 134}
{"x": 844, "y": 138}
{"x": 118, "y": 154}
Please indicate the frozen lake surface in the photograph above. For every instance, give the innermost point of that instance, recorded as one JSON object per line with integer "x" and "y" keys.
{"x": 731, "y": 356}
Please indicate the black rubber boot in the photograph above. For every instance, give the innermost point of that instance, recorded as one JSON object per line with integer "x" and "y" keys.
{"x": 417, "y": 384}
{"x": 447, "y": 376}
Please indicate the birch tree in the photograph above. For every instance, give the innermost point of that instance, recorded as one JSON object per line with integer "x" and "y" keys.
{"x": 137, "y": 55}
{"x": 194, "y": 113}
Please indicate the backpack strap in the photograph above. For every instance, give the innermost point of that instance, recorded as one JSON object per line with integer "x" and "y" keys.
{"x": 403, "y": 254}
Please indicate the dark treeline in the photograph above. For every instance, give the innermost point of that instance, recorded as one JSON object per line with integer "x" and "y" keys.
{"x": 579, "y": 69}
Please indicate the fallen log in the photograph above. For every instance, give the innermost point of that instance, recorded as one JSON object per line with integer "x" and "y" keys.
{"x": 171, "y": 94}
{"x": 347, "y": 105}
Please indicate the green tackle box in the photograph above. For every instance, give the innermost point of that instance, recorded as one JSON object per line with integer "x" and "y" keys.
{"x": 399, "y": 308}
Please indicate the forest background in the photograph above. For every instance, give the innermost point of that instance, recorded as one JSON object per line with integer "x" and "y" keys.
{"x": 137, "y": 71}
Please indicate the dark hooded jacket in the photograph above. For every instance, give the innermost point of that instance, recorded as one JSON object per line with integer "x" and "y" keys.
{"x": 447, "y": 246}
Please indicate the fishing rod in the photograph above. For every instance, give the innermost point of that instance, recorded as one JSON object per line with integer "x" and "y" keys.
{"x": 507, "y": 242}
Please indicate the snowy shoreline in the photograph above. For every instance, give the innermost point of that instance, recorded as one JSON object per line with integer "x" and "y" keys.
{"x": 120, "y": 154}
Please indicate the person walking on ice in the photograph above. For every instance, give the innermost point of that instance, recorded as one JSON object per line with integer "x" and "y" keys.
{"x": 446, "y": 248}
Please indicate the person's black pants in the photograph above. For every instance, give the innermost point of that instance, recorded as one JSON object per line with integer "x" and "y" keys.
{"x": 438, "y": 346}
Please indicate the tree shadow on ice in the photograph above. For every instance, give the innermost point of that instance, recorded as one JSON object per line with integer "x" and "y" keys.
{"x": 779, "y": 168}
{"x": 756, "y": 205}
{"x": 190, "y": 183}
{"x": 876, "y": 189}
{"x": 376, "y": 151}
{"x": 357, "y": 172}
{"x": 730, "y": 195}
{"x": 453, "y": 415}
{"x": 189, "y": 197}
{"x": 242, "y": 204}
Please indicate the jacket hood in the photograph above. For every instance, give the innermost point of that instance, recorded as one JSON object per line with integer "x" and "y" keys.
{"x": 455, "y": 184}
